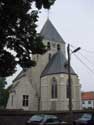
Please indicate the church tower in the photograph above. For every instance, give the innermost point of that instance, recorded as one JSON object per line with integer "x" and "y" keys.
{"x": 51, "y": 75}
{"x": 53, "y": 41}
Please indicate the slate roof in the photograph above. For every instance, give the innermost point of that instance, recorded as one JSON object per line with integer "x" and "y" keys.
{"x": 49, "y": 32}
{"x": 57, "y": 65}
{"x": 20, "y": 75}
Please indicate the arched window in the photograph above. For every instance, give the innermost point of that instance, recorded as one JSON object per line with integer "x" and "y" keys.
{"x": 54, "y": 88}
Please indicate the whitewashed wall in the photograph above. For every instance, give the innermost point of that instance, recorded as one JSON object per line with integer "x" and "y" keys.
{"x": 87, "y": 105}
{"x": 61, "y": 102}
{"x": 23, "y": 87}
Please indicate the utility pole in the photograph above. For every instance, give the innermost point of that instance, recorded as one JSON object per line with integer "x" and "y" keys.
{"x": 69, "y": 81}
{"x": 70, "y": 86}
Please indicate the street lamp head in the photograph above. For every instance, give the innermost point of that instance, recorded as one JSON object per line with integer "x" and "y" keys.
{"x": 74, "y": 51}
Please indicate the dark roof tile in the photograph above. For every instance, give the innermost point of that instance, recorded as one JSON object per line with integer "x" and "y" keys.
{"x": 57, "y": 65}
{"x": 49, "y": 32}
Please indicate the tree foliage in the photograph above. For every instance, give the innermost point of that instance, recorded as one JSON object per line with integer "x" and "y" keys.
{"x": 44, "y": 3}
{"x": 3, "y": 93}
{"x": 18, "y": 34}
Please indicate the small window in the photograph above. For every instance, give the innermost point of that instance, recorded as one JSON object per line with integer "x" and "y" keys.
{"x": 58, "y": 47}
{"x": 89, "y": 102}
{"x": 25, "y": 100}
{"x": 83, "y": 102}
{"x": 48, "y": 46}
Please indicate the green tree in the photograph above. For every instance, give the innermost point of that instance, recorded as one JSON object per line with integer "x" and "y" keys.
{"x": 3, "y": 93}
{"x": 18, "y": 34}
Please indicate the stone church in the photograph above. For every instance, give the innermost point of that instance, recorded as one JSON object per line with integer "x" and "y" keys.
{"x": 45, "y": 87}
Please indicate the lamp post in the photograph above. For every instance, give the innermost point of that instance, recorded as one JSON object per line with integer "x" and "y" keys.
{"x": 69, "y": 81}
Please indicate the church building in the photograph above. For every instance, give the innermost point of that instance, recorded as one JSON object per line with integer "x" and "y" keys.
{"x": 45, "y": 87}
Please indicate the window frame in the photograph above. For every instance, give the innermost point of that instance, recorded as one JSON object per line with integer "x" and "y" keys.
{"x": 54, "y": 88}
{"x": 89, "y": 101}
{"x": 25, "y": 100}
{"x": 83, "y": 102}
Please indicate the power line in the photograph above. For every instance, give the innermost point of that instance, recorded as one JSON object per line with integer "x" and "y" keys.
{"x": 84, "y": 64}
{"x": 89, "y": 51}
{"x": 86, "y": 58}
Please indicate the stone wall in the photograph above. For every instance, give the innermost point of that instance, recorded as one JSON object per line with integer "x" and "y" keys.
{"x": 19, "y": 117}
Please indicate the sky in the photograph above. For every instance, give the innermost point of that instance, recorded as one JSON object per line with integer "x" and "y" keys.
{"x": 74, "y": 20}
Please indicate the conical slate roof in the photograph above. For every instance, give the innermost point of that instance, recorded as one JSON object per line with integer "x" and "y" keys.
{"x": 57, "y": 65}
{"x": 49, "y": 32}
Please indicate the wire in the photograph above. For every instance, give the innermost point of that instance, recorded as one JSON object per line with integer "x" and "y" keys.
{"x": 86, "y": 58}
{"x": 84, "y": 63}
{"x": 89, "y": 51}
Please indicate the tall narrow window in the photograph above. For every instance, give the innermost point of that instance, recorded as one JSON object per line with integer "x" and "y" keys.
{"x": 25, "y": 100}
{"x": 54, "y": 88}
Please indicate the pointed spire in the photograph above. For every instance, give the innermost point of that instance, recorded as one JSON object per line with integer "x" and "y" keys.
{"x": 49, "y": 32}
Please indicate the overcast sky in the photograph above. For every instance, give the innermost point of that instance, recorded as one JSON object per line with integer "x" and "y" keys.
{"x": 74, "y": 20}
